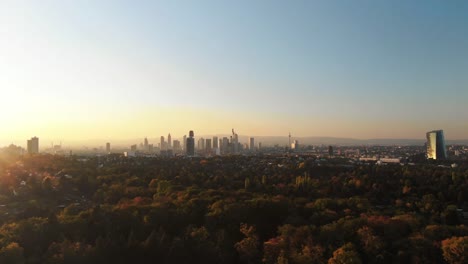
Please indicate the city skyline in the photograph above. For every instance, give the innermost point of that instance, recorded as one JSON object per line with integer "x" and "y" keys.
{"x": 286, "y": 140}
{"x": 114, "y": 70}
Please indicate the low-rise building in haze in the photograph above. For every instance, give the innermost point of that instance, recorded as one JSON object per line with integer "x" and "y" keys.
{"x": 33, "y": 145}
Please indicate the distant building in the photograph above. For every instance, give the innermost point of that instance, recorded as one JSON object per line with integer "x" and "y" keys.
{"x": 436, "y": 145}
{"x": 133, "y": 148}
{"x": 184, "y": 143}
{"x": 129, "y": 154}
{"x": 163, "y": 143}
{"x": 33, "y": 145}
{"x": 390, "y": 160}
{"x": 176, "y": 145}
{"x": 190, "y": 144}
{"x": 208, "y": 145}
{"x": 215, "y": 142}
{"x": 201, "y": 144}
{"x": 251, "y": 144}
{"x": 169, "y": 141}
{"x": 234, "y": 142}
{"x": 108, "y": 148}
{"x": 330, "y": 150}
{"x": 225, "y": 146}
{"x": 295, "y": 145}
{"x": 146, "y": 144}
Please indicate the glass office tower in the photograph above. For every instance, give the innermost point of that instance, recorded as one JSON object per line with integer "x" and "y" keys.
{"x": 436, "y": 145}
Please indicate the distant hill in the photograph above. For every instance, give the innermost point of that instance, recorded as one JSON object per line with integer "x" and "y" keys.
{"x": 345, "y": 141}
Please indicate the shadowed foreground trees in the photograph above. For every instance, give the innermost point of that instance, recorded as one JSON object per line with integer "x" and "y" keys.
{"x": 229, "y": 210}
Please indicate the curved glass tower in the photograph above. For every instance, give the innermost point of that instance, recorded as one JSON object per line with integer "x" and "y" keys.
{"x": 436, "y": 145}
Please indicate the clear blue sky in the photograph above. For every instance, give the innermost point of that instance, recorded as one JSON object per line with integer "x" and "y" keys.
{"x": 362, "y": 69}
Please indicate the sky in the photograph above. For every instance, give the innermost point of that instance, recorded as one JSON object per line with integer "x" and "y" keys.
{"x": 113, "y": 69}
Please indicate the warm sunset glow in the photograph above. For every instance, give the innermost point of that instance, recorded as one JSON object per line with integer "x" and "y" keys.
{"x": 122, "y": 72}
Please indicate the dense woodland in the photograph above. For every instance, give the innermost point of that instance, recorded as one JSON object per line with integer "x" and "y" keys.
{"x": 235, "y": 209}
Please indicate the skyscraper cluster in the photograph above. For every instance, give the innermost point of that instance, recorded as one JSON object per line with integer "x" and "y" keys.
{"x": 217, "y": 146}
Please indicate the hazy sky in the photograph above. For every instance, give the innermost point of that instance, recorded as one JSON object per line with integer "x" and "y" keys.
{"x": 73, "y": 70}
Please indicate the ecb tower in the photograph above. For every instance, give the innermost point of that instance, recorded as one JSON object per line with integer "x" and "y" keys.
{"x": 436, "y": 145}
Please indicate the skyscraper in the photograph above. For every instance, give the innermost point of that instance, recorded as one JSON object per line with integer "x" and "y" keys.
{"x": 176, "y": 145}
{"x": 201, "y": 144}
{"x": 225, "y": 146}
{"x": 330, "y": 150}
{"x": 169, "y": 141}
{"x": 208, "y": 145}
{"x": 252, "y": 144}
{"x": 184, "y": 143}
{"x": 108, "y": 147}
{"x": 33, "y": 145}
{"x": 190, "y": 145}
{"x": 436, "y": 145}
{"x": 215, "y": 142}
{"x": 163, "y": 143}
{"x": 234, "y": 142}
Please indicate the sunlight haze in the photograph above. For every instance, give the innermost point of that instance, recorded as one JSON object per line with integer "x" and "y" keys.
{"x": 79, "y": 70}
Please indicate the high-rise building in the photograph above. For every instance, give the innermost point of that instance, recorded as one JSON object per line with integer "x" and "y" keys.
{"x": 163, "y": 143}
{"x": 184, "y": 143}
{"x": 146, "y": 143}
{"x": 33, "y": 145}
{"x": 295, "y": 145}
{"x": 436, "y": 145}
{"x": 208, "y": 145}
{"x": 190, "y": 144}
{"x": 176, "y": 145}
{"x": 108, "y": 147}
{"x": 215, "y": 142}
{"x": 169, "y": 141}
{"x": 225, "y": 146}
{"x": 251, "y": 144}
{"x": 234, "y": 142}
{"x": 201, "y": 144}
{"x": 133, "y": 147}
{"x": 330, "y": 150}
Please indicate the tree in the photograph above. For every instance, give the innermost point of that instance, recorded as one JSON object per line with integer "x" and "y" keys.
{"x": 455, "y": 250}
{"x": 12, "y": 253}
{"x": 371, "y": 243}
{"x": 248, "y": 248}
{"x": 345, "y": 255}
